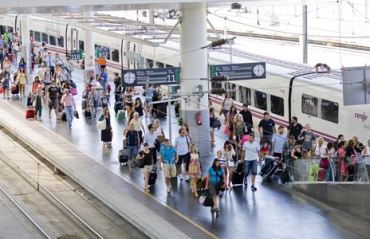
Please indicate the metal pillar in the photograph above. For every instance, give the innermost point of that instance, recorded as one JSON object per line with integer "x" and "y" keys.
{"x": 89, "y": 52}
{"x": 151, "y": 16}
{"x": 194, "y": 73}
{"x": 366, "y": 11}
{"x": 26, "y": 43}
{"x": 304, "y": 33}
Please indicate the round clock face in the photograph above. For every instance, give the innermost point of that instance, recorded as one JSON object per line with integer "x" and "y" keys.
{"x": 258, "y": 70}
{"x": 129, "y": 77}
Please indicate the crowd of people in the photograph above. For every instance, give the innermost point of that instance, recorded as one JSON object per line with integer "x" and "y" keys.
{"x": 146, "y": 146}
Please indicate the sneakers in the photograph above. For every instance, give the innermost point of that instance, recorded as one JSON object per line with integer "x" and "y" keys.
{"x": 253, "y": 188}
{"x": 187, "y": 178}
{"x": 181, "y": 177}
{"x": 168, "y": 189}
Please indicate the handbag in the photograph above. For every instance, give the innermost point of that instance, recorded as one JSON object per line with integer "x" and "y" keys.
{"x": 216, "y": 123}
{"x": 102, "y": 124}
{"x": 205, "y": 199}
{"x": 76, "y": 115}
{"x": 220, "y": 186}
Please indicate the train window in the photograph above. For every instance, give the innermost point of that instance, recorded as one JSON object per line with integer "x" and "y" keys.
{"x": 52, "y": 40}
{"x": 81, "y": 45}
{"x": 277, "y": 105}
{"x": 231, "y": 87}
{"x": 2, "y": 29}
{"x": 245, "y": 95}
{"x": 38, "y": 36}
{"x": 260, "y": 99}
{"x": 107, "y": 53}
{"x": 61, "y": 41}
{"x": 309, "y": 105}
{"x": 45, "y": 38}
{"x": 115, "y": 55}
{"x": 10, "y": 29}
{"x": 329, "y": 111}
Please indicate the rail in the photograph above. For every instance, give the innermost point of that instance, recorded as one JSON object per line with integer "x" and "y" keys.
{"x": 336, "y": 169}
{"x": 24, "y": 212}
{"x": 36, "y": 184}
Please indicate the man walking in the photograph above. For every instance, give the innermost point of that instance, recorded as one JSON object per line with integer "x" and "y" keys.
{"x": 251, "y": 155}
{"x": 167, "y": 160}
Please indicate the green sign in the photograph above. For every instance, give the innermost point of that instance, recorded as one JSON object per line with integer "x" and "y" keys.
{"x": 76, "y": 54}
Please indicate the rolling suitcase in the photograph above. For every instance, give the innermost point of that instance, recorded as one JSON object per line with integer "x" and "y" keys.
{"x": 30, "y": 113}
{"x": 238, "y": 178}
{"x": 271, "y": 171}
{"x": 152, "y": 176}
{"x": 123, "y": 156}
{"x": 84, "y": 104}
{"x": 10, "y": 57}
{"x": 87, "y": 114}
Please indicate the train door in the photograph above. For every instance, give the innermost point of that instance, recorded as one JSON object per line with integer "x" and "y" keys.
{"x": 74, "y": 40}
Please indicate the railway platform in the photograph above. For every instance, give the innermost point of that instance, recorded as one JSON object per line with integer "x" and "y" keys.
{"x": 80, "y": 154}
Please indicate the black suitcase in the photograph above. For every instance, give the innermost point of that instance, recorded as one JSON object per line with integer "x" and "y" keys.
{"x": 271, "y": 171}
{"x": 161, "y": 111}
{"x": 238, "y": 178}
{"x": 285, "y": 177}
{"x": 87, "y": 114}
{"x": 123, "y": 156}
{"x": 64, "y": 116}
{"x": 84, "y": 104}
{"x": 152, "y": 176}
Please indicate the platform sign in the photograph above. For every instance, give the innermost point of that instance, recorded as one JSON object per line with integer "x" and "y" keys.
{"x": 158, "y": 76}
{"x": 76, "y": 54}
{"x": 356, "y": 85}
{"x": 241, "y": 71}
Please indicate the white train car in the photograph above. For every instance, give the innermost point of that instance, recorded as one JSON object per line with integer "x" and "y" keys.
{"x": 317, "y": 99}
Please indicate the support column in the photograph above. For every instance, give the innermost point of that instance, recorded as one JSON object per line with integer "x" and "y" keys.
{"x": 304, "y": 34}
{"x": 194, "y": 74}
{"x": 26, "y": 43}
{"x": 89, "y": 52}
{"x": 151, "y": 16}
{"x": 366, "y": 11}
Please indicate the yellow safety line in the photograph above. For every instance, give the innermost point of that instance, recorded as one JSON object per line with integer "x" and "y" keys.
{"x": 131, "y": 183}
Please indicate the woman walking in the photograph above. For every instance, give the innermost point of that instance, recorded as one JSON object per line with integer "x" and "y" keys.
{"x": 106, "y": 134}
{"x": 147, "y": 156}
{"x": 215, "y": 179}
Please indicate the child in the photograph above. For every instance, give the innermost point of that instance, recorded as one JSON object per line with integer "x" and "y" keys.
{"x": 264, "y": 150}
{"x": 194, "y": 169}
{"x": 29, "y": 99}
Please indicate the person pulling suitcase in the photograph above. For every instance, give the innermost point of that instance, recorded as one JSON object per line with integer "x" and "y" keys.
{"x": 251, "y": 155}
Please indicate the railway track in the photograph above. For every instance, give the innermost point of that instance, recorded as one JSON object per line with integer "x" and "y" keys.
{"x": 55, "y": 206}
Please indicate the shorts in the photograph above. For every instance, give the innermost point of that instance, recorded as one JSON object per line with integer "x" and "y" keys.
{"x": 250, "y": 166}
{"x": 169, "y": 170}
{"x": 53, "y": 104}
{"x": 184, "y": 159}
{"x": 148, "y": 168}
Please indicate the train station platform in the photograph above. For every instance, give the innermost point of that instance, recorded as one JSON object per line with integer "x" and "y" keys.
{"x": 150, "y": 216}
{"x": 268, "y": 213}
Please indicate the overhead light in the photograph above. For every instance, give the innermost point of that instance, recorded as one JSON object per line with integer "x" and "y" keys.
{"x": 236, "y": 6}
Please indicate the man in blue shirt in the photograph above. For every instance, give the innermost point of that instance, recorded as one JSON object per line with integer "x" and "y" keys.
{"x": 167, "y": 160}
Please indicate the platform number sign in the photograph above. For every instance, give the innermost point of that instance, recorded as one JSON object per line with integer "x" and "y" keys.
{"x": 76, "y": 55}
{"x": 241, "y": 71}
{"x": 158, "y": 76}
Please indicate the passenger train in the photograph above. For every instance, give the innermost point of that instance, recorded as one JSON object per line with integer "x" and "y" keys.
{"x": 317, "y": 98}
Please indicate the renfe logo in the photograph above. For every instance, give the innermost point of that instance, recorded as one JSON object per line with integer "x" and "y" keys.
{"x": 361, "y": 116}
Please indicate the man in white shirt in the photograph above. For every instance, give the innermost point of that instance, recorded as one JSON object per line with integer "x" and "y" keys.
{"x": 182, "y": 143}
{"x": 251, "y": 154}
{"x": 150, "y": 138}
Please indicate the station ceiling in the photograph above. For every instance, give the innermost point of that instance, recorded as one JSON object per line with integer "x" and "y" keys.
{"x": 75, "y": 6}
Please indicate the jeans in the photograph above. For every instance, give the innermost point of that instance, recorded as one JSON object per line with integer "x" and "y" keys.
{"x": 250, "y": 166}
{"x": 132, "y": 152}
{"x": 69, "y": 114}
